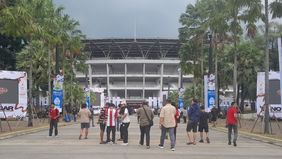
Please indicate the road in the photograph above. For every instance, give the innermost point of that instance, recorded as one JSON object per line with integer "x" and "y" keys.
{"x": 67, "y": 146}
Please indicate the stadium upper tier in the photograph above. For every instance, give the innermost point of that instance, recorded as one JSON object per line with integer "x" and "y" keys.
{"x": 132, "y": 48}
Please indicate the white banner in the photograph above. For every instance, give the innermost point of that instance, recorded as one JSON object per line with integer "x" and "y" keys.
{"x": 13, "y": 94}
{"x": 275, "y": 108}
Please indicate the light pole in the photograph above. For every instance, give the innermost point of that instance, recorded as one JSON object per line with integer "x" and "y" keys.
{"x": 210, "y": 52}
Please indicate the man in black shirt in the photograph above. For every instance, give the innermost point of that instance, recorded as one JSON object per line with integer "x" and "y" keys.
{"x": 203, "y": 124}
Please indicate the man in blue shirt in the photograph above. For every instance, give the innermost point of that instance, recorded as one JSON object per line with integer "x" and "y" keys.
{"x": 193, "y": 119}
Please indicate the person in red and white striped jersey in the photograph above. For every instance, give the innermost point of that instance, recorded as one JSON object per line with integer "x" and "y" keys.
{"x": 111, "y": 123}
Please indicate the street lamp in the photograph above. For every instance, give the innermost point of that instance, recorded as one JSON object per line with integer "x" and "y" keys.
{"x": 210, "y": 52}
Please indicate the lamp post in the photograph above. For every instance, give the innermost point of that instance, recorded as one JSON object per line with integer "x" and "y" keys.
{"x": 210, "y": 52}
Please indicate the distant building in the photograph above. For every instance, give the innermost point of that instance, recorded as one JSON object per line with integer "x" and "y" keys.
{"x": 134, "y": 70}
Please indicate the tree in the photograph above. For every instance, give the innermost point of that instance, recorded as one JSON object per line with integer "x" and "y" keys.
{"x": 39, "y": 21}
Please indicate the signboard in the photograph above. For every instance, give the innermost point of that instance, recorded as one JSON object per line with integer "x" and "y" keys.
{"x": 275, "y": 108}
{"x": 180, "y": 103}
{"x": 13, "y": 93}
{"x": 209, "y": 84}
{"x": 58, "y": 92}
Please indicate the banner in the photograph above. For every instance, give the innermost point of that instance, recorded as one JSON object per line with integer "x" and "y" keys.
{"x": 58, "y": 92}
{"x": 13, "y": 94}
{"x": 275, "y": 108}
{"x": 87, "y": 96}
{"x": 180, "y": 103}
{"x": 209, "y": 87}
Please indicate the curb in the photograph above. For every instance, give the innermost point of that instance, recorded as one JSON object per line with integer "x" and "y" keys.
{"x": 257, "y": 137}
{"x": 28, "y": 131}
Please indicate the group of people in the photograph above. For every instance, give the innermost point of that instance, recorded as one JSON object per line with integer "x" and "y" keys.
{"x": 112, "y": 119}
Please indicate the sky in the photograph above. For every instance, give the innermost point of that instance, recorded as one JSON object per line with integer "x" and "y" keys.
{"x": 119, "y": 18}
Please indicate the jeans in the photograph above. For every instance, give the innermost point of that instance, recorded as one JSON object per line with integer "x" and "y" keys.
{"x": 235, "y": 129}
{"x": 171, "y": 136}
{"x": 53, "y": 123}
{"x": 113, "y": 130}
{"x": 145, "y": 130}
{"x": 124, "y": 131}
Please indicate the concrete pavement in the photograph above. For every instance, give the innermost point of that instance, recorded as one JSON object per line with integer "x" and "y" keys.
{"x": 67, "y": 146}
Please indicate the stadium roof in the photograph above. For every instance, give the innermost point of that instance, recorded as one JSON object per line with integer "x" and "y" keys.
{"x": 132, "y": 48}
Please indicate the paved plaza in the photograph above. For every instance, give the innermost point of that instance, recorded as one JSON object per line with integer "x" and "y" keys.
{"x": 67, "y": 146}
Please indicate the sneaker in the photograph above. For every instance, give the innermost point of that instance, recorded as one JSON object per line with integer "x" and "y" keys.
{"x": 79, "y": 138}
{"x": 56, "y": 136}
{"x": 234, "y": 143}
{"x": 161, "y": 146}
{"x": 124, "y": 144}
{"x": 201, "y": 141}
{"x": 208, "y": 140}
{"x": 148, "y": 147}
{"x": 172, "y": 149}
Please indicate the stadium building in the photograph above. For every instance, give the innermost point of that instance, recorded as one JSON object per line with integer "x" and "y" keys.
{"x": 134, "y": 69}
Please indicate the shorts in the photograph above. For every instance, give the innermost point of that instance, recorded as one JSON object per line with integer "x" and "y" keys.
{"x": 191, "y": 126}
{"x": 102, "y": 126}
{"x": 203, "y": 127}
{"x": 85, "y": 125}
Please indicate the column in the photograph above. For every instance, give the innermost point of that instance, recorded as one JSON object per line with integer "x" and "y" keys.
{"x": 161, "y": 80}
{"x": 179, "y": 77}
{"x": 144, "y": 79}
{"x": 90, "y": 75}
{"x": 125, "y": 80}
{"x": 108, "y": 80}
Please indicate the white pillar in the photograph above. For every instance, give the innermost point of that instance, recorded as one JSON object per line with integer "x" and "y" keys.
{"x": 90, "y": 75}
{"x": 144, "y": 72}
{"x": 108, "y": 80}
{"x": 161, "y": 80}
{"x": 125, "y": 81}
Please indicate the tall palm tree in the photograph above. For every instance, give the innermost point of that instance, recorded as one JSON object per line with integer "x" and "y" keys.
{"x": 239, "y": 11}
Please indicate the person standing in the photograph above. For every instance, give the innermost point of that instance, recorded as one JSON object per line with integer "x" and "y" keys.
{"x": 231, "y": 122}
{"x": 214, "y": 114}
{"x": 145, "y": 117}
{"x": 102, "y": 120}
{"x": 125, "y": 121}
{"x": 74, "y": 112}
{"x": 118, "y": 120}
{"x": 54, "y": 115}
{"x": 193, "y": 119}
{"x": 167, "y": 123}
{"x": 111, "y": 123}
{"x": 184, "y": 115}
{"x": 203, "y": 124}
{"x": 177, "y": 118}
{"x": 84, "y": 115}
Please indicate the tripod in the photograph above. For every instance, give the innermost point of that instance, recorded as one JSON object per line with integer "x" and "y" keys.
{"x": 259, "y": 116}
{"x": 2, "y": 108}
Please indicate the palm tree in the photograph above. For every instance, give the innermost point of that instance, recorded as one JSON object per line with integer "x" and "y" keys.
{"x": 239, "y": 11}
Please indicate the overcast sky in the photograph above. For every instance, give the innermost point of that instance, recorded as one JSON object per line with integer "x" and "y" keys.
{"x": 116, "y": 18}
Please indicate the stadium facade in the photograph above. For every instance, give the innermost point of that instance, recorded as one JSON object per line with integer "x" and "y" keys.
{"x": 134, "y": 69}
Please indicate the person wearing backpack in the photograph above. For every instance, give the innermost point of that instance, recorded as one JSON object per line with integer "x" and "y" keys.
{"x": 145, "y": 119}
